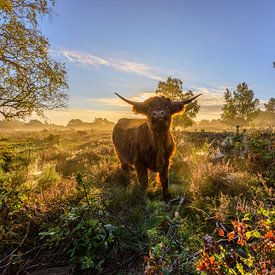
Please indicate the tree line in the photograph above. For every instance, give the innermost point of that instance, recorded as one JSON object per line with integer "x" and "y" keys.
{"x": 97, "y": 123}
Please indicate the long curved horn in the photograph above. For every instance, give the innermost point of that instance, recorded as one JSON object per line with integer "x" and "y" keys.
{"x": 178, "y": 106}
{"x": 134, "y": 103}
{"x": 184, "y": 102}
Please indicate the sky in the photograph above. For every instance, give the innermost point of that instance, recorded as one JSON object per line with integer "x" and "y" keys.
{"x": 129, "y": 46}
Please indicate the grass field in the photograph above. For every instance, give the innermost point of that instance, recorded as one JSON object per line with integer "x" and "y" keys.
{"x": 64, "y": 206}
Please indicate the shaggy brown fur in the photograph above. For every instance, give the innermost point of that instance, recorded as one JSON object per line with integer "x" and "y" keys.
{"x": 148, "y": 144}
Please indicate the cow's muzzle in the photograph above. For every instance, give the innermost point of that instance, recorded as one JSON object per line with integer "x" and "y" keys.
{"x": 159, "y": 115}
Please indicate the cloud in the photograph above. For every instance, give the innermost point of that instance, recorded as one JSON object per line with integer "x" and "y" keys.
{"x": 116, "y": 64}
{"x": 211, "y": 97}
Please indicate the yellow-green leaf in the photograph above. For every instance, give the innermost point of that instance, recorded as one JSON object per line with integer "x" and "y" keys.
{"x": 257, "y": 234}
{"x": 248, "y": 234}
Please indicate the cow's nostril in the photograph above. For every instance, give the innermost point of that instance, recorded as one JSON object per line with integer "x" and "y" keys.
{"x": 162, "y": 114}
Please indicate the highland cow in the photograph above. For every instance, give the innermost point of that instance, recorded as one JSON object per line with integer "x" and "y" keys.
{"x": 148, "y": 144}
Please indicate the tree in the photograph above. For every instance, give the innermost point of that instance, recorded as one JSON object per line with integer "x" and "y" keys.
{"x": 98, "y": 121}
{"x": 75, "y": 123}
{"x": 172, "y": 88}
{"x": 240, "y": 107}
{"x": 270, "y": 106}
{"x": 35, "y": 123}
{"x": 30, "y": 80}
{"x": 11, "y": 124}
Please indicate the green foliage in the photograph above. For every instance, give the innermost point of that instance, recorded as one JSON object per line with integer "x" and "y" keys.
{"x": 270, "y": 105}
{"x": 12, "y": 161}
{"x": 48, "y": 178}
{"x": 9, "y": 198}
{"x": 172, "y": 251}
{"x": 85, "y": 235}
{"x": 172, "y": 88}
{"x": 261, "y": 157}
{"x": 244, "y": 245}
{"x": 240, "y": 107}
{"x": 30, "y": 79}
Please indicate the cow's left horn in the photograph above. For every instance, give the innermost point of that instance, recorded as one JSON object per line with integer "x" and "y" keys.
{"x": 134, "y": 103}
{"x": 178, "y": 106}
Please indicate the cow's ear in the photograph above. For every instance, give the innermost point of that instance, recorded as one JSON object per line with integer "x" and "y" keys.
{"x": 140, "y": 109}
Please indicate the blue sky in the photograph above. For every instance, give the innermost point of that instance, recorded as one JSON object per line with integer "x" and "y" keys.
{"x": 128, "y": 46}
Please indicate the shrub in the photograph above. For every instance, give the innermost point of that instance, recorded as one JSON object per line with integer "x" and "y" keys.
{"x": 261, "y": 156}
{"x": 48, "y": 178}
{"x": 81, "y": 235}
{"x": 241, "y": 246}
{"x": 172, "y": 245}
{"x": 210, "y": 179}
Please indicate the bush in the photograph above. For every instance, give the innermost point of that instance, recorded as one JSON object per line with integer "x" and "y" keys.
{"x": 261, "y": 156}
{"x": 48, "y": 178}
{"x": 81, "y": 235}
{"x": 241, "y": 246}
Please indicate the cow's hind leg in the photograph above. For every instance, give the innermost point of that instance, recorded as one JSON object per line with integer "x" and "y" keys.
{"x": 142, "y": 173}
{"x": 125, "y": 174}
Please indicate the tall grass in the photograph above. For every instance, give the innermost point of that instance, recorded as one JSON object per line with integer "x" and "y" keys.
{"x": 79, "y": 212}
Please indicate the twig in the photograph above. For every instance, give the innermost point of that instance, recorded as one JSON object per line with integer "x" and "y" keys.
{"x": 200, "y": 210}
{"x": 226, "y": 240}
{"x": 26, "y": 235}
{"x": 9, "y": 255}
{"x": 20, "y": 245}
{"x": 17, "y": 258}
{"x": 178, "y": 207}
{"x": 33, "y": 259}
{"x": 192, "y": 256}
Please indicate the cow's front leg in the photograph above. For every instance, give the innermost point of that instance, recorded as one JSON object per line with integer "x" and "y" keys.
{"x": 142, "y": 173}
{"x": 163, "y": 174}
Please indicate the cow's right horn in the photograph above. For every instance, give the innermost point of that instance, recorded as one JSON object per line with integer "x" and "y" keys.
{"x": 138, "y": 107}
